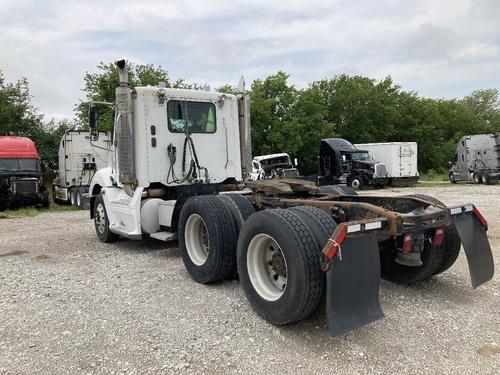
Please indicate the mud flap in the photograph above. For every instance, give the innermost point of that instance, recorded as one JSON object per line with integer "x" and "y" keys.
{"x": 477, "y": 248}
{"x": 353, "y": 283}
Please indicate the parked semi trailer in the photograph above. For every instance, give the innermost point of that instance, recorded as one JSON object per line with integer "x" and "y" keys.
{"x": 400, "y": 160}
{"x": 176, "y": 172}
{"x": 477, "y": 159}
{"x": 80, "y": 156}
{"x": 21, "y": 180}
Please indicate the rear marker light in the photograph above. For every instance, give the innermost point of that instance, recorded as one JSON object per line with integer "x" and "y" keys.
{"x": 468, "y": 208}
{"x": 407, "y": 240}
{"x": 374, "y": 225}
{"x": 438, "y": 236}
{"x": 353, "y": 228}
{"x": 456, "y": 210}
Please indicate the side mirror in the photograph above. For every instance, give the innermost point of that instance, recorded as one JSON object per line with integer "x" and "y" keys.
{"x": 295, "y": 162}
{"x": 93, "y": 119}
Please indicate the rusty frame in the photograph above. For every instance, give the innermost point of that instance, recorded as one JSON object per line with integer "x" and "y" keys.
{"x": 401, "y": 214}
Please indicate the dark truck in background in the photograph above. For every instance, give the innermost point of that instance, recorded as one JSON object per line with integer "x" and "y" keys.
{"x": 341, "y": 162}
{"x": 21, "y": 181}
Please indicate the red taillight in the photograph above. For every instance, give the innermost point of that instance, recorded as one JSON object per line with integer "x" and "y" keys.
{"x": 438, "y": 236}
{"x": 407, "y": 240}
{"x": 479, "y": 216}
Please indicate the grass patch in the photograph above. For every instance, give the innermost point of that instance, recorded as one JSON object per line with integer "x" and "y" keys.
{"x": 33, "y": 211}
{"x": 433, "y": 175}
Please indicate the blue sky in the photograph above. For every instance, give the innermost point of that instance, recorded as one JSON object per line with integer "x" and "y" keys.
{"x": 439, "y": 48}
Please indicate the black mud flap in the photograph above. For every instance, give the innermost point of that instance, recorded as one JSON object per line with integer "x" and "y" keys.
{"x": 353, "y": 285}
{"x": 477, "y": 248}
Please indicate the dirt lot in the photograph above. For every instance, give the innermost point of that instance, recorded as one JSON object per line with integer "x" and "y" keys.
{"x": 70, "y": 304}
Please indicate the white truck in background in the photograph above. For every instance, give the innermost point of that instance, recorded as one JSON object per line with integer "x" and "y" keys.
{"x": 79, "y": 159}
{"x": 477, "y": 159}
{"x": 400, "y": 159}
{"x": 272, "y": 166}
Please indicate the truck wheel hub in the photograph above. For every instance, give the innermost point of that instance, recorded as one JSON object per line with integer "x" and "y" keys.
{"x": 267, "y": 268}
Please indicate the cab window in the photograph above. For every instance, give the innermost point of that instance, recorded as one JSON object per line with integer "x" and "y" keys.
{"x": 191, "y": 117}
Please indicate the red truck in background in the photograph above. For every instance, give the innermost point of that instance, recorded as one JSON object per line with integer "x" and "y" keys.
{"x": 21, "y": 181}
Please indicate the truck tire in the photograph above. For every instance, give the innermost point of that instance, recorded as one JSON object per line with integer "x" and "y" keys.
{"x": 431, "y": 258}
{"x": 477, "y": 177}
{"x": 278, "y": 264}
{"x": 320, "y": 224}
{"x": 451, "y": 177}
{"x": 484, "y": 178}
{"x": 72, "y": 196}
{"x": 451, "y": 242}
{"x": 101, "y": 222}
{"x": 337, "y": 189}
{"x": 45, "y": 199}
{"x": 207, "y": 238}
{"x": 239, "y": 206}
{"x": 356, "y": 182}
{"x": 79, "y": 199}
{"x": 240, "y": 209}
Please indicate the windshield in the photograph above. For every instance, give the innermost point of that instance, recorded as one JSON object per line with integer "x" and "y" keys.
{"x": 278, "y": 160}
{"x": 360, "y": 156}
{"x": 16, "y": 165}
{"x": 198, "y": 117}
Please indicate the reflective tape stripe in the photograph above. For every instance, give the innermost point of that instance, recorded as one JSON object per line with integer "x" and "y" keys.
{"x": 374, "y": 225}
{"x": 456, "y": 210}
{"x": 468, "y": 208}
{"x": 354, "y": 228}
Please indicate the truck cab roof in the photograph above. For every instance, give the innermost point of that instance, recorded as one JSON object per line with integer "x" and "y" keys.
{"x": 17, "y": 148}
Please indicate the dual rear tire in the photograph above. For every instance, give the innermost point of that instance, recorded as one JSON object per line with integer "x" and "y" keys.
{"x": 435, "y": 259}
{"x": 275, "y": 252}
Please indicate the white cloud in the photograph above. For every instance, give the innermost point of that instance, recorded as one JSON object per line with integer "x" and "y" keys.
{"x": 440, "y": 48}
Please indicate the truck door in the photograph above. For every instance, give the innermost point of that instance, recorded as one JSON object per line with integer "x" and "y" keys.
{"x": 461, "y": 162}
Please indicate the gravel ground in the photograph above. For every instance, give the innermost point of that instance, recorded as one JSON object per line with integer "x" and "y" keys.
{"x": 70, "y": 304}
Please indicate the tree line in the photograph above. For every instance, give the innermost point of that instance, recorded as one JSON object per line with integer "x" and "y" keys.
{"x": 285, "y": 118}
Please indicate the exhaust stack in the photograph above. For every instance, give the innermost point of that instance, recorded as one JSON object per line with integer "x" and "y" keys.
{"x": 125, "y": 131}
{"x": 245, "y": 130}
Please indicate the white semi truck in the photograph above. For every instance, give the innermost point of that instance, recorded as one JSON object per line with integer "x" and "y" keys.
{"x": 272, "y": 166}
{"x": 176, "y": 171}
{"x": 400, "y": 160}
{"x": 477, "y": 159}
{"x": 80, "y": 156}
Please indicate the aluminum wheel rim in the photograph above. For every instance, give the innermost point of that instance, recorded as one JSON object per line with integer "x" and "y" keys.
{"x": 78, "y": 199}
{"x": 72, "y": 198}
{"x": 355, "y": 183}
{"x": 196, "y": 239}
{"x": 100, "y": 218}
{"x": 267, "y": 282}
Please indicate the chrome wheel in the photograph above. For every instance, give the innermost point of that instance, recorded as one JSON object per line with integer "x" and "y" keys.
{"x": 267, "y": 268}
{"x": 78, "y": 199}
{"x": 100, "y": 218}
{"x": 196, "y": 239}
{"x": 355, "y": 184}
{"x": 72, "y": 197}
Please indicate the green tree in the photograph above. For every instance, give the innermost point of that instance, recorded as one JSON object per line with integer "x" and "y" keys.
{"x": 485, "y": 107}
{"x": 100, "y": 86}
{"x": 18, "y": 116}
{"x": 274, "y": 126}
